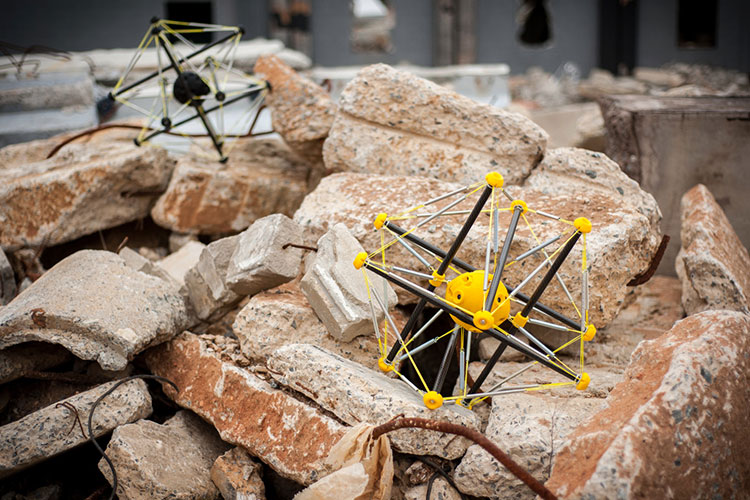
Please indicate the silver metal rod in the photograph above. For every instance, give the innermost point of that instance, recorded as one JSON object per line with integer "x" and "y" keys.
{"x": 495, "y": 230}
{"x": 419, "y": 348}
{"x": 545, "y": 214}
{"x": 536, "y": 249}
{"x": 453, "y": 212}
{"x": 507, "y": 194}
{"x": 412, "y": 251}
{"x": 547, "y": 324}
{"x": 527, "y": 279}
{"x": 442, "y": 372}
{"x": 408, "y": 382}
{"x": 441, "y": 211}
{"x": 427, "y": 325}
{"x": 387, "y": 316}
{"x": 447, "y": 195}
{"x": 409, "y": 271}
{"x": 584, "y": 299}
{"x": 509, "y": 390}
{"x": 537, "y": 342}
{"x": 374, "y": 320}
{"x": 487, "y": 267}
{"x": 512, "y": 376}
{"x": 461, "y": 361}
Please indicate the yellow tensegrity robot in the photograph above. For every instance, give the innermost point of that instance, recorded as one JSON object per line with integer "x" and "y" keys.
{"x": 476, "y": 299}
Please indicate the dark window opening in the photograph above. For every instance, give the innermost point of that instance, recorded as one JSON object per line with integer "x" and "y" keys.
{"x": 534, "y": 20}
{"x": 194, "y": 12}
{"x": 696, "y": 23}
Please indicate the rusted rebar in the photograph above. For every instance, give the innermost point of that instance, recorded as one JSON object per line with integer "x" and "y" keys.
{"x": 648, "y": 273}
{"x": 471, "y": 434}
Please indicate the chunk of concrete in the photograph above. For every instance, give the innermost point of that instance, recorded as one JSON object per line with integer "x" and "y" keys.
{"x": 530, "y": 428}
{"x": 262, "y": 177}
{"x": 52, "y": 430}
{"x": 143, "y": 265}
{"x": 370, "y": 397}
{"x": 238, "y": 476}
{"x": 565, "y": 171}
{"x": 336, "y": 290}
{"x": 205, "y": 282}
{"x": 621, "y": 245}
{"x": 263, "y": 258}
{"x": 109, "y": 312}
{"x": 164, "y": 461}
{"x": 178, "y": 263}
{"x": 302, "y": 111}
{"x": 19, "y": 360}
{"x": 391, "y": 122}
{"x": 290, "y": 436}
{"x": 670, "y": 144}
{"x": 80, "y": 190}
{"x": 713, "y": 265}
{"x": 677, "y": 423}
{"x": 282, "y": 315}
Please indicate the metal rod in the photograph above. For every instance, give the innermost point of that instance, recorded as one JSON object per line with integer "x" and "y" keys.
{"x": 409, "y": 271}
{"x": 385, "y": 312}
{"x": 534, "y": 250}
{"x": 547, "y": 324}
{"x": 446, "y": 195}
{"x": 417, "y": 349}
{"x": 584, "y": 299}
{"x": 545, "y": 214}
{"x": 511, "y": 377}
{"x": 487, "y": 266}
{"x": 517, "y": 211}
{"x": 440, "y": 379}
{"x": 495, "y": 230}
{"x": 538, "y": 343}
{"x": 414, "y": 253}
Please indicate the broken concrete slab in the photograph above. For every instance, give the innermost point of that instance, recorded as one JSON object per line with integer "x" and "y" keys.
{"x": 670, "y": 144}
{"x": 238, "y": 476}
{"x": 530, "y": 428}
{"x": 290, "y": 436}
{"x": 263, "y": 257}
{"x": 108, "y": 313}
{"x": 391, "y": 122}
{"x": 370, "y": 397}
{"x": 141, "y": 264}
{"x": 302, "y": 112}
{"x": 620, "y": 246}
{"x": 677, "y": 423}
{"x": 205, "y": 282}
{"x": 178, "y": 263}
{"x": 262, "y": 177}
{"x": 48, "y": 432}
{"x": 19, "y": 360}
{"x": 336, "y": 290}
{"x": 8, "y": 287}
{"x": 564, "y": 171}
{"x": 164, "y": 461}
{"x": 282, "y": 315}
{"x": 588, "y": 125}
{"x": 712, "y": 264}
{"x": 82, "y": 189}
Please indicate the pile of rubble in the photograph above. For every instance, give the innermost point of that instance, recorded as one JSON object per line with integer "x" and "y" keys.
{"x": 245, "y": 298}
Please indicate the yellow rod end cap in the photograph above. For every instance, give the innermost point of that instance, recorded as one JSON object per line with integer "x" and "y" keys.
{"x": 520, "y": 203}
{"x": 584, "y": 382}
{"x": 359, "y": 260}
{"x": 582, "y": 224}
{"x": 519, "y": 321}
{"x": 588, "y": 335}
{"x": 380, "y": 220}
{"x": 484, "y": 320}
{"x": 494, "y": 179}
{"x": 432, "y": 400}
{"x": 437, "y": 279}
{"x": 384, "y": 367}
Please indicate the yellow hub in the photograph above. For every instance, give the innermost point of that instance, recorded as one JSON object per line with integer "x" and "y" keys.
{"x": 466, "y": 292}
{"x": 432, "y": 400}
